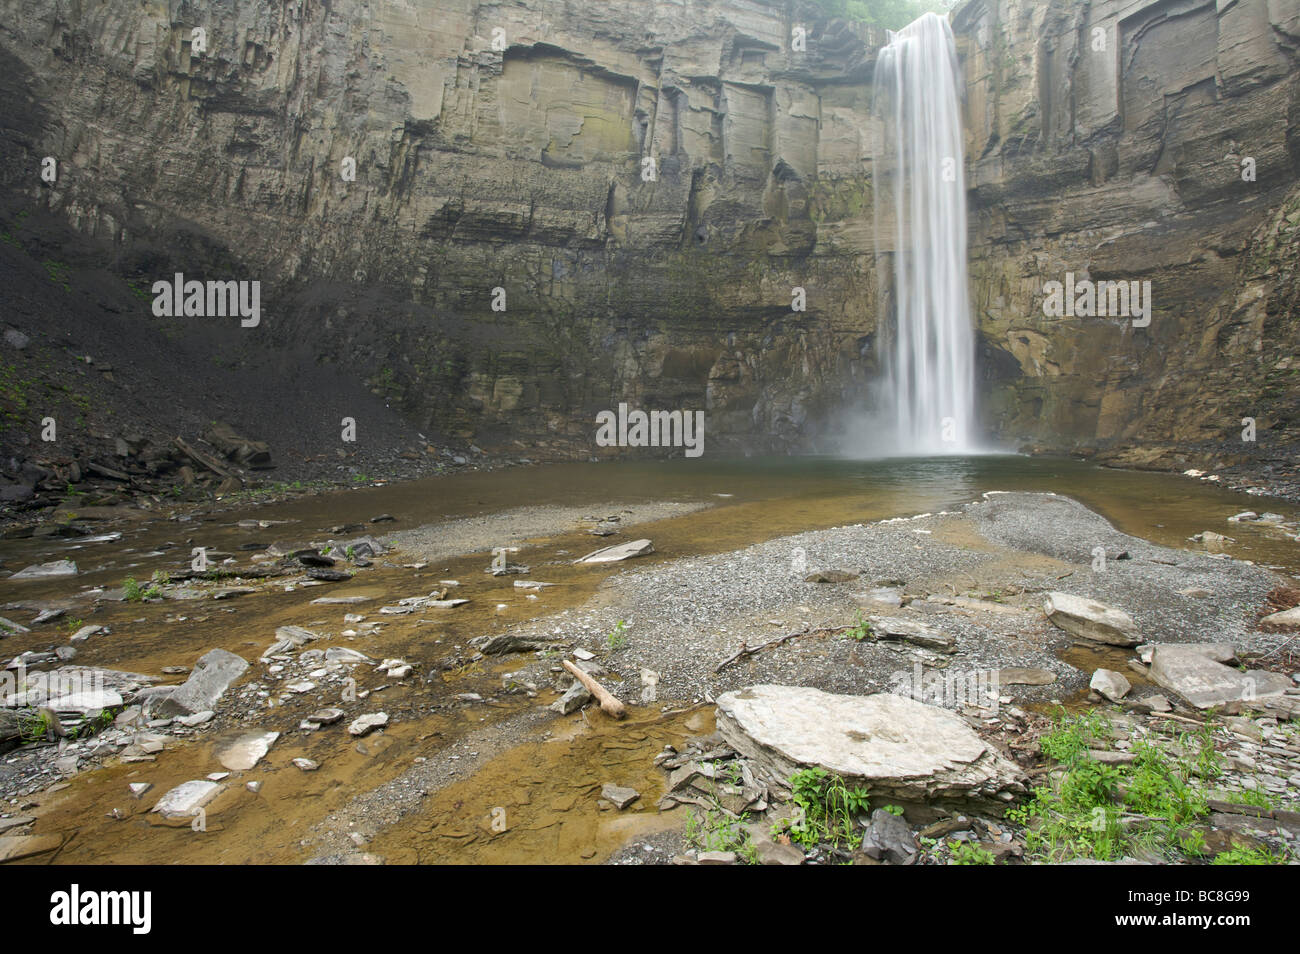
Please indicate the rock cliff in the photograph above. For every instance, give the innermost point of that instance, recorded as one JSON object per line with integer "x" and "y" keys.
{"x": 1138, "y": 140}
{"x": 645, "y": 183}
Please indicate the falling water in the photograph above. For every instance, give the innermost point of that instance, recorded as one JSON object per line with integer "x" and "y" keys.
{"x": 920, "y": 233}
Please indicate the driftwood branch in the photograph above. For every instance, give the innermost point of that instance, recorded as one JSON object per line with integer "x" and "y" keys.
{"x": 750, "y": 651}
{"x": 607, "y": 701}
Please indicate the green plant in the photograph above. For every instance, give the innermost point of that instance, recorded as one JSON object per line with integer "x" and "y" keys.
{"x": 860, "y": 630}
{"x": 132, "y": 592}
{"x": 1083, "y": 812}
{"x": 34, "y": 726}
{"x": 1255, "y": 798}
{"x": 1252, "y": 856}
{"x": 617, "y": 637}
{"x": 826, "y": 810}
{"x": 969, "y": 853}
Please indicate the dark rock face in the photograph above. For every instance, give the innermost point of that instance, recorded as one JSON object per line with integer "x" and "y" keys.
{"x": 1150, "y": 140}
{"x": 556, "y": 206}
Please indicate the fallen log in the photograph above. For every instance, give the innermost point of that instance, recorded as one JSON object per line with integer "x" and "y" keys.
{"x": 611, "y": 705}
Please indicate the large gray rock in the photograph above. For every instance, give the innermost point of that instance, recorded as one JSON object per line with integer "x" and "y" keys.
{"x": 898, "y": 748}
{"x": 212, "y": 676}
{"x": 1208, "y": 684}
{"x": 912, "y": 631}
{"x": 247, "y": 750}
{"x": 889, "y": 838}
{"x": 1089, "y": 619}
{"x": 1111, "y": 684}
{"x": 45, "y": 571}
{"x": 623, "y": 551}
{"x": 186, "y": 799}
{"x": 1289, "y": 617}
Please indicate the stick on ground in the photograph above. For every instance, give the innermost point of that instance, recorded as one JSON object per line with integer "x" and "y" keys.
{"x": 611, "y": 705}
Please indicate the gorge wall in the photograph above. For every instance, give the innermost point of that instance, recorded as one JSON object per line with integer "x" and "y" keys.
{"x": 502, "y": 145}
{"x": 497, "y": 145}
{"x": 1152, "y": 140}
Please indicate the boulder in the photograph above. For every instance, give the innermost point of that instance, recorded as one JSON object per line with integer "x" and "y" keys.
{"x": 575, "y": 698}
{"x": 620, "y": 796}
{"x": 912, "y": 631}
{"x": 212, "y": 676}
{"x": 1205, "y": 683}
{"x": 623, "y": 551}
{"x": 247, "y": 750}
{"x": 363, "y": 724}
{"x": 186, "y": 799}
{"x": 1110, "y": 684}
{"x": 1289, "y": 617}
{"x": 896, "y": 747}
{"x": 45, "y": 571}
{"x": 1089, "y": 619}
{"x": 889, "y": 838}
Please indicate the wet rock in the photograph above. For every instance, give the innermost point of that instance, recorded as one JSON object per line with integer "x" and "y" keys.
{"x": 198, "y": 718}
{"x": 1090, "y": 619}
{"x": 349, "y": 657}
{"x": 247, "y": 750}
{"x": 507, "y": 643}
{"x": 45, "y": 571}
{"x": 897, "y": 747}
{"x": 186, "y": 799}
{"x": 1110, "y": 684}
{"x": 14, "y": 848}
{"x": 328, "y": 576}
{"x": 306, "y": 765}
{"x": 619, "y": 796}
{"x": 85, "y": 632}
{"x": 367, "y": 723}
{"x": 212, "y": 676}
{"x": 138, "y": 789}
{"x": 9, "y": 628}
{"x": 326, "y": 716}
{"x": 574, "y": 699}
{"x": 622, "y": 551}
{"x": 48, "y": 615}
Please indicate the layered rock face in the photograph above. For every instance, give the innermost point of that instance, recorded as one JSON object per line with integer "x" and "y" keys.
{"x": 556, "y": 206}
{"x": 559, "y": 207}
{"x": 1138, "y": 140}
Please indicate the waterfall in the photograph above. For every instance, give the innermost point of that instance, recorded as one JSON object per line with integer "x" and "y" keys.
{"x": 928, "y": 345}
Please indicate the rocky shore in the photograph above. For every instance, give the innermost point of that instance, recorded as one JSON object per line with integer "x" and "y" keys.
{"x": 977, "y": 661}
